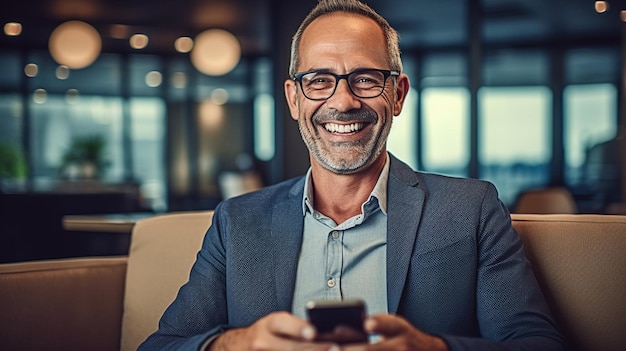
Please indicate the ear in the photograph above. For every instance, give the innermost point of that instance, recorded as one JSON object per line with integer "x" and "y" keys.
{"x": 291, "y": 94}
{"x": 402, "y": 88}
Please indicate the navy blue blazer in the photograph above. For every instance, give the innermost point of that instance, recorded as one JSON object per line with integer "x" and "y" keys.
{"x": 455, "y": 266}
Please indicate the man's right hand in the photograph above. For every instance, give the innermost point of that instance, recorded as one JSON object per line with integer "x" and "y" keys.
{"x": 276, "y": 331}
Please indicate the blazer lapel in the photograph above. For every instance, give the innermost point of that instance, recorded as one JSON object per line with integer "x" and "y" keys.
{"x": 405, "y": 203}
{"x": 287, "y": 226}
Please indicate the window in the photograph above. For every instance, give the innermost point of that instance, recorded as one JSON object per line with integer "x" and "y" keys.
{"x": 446, "y": 130}
{"x": 515, "y": 138}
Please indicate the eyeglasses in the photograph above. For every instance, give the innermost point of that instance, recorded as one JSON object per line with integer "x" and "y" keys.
{"x": 363, "y": 83}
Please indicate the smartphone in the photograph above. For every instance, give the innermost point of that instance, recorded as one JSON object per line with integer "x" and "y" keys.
{"x": 339, "y": 321}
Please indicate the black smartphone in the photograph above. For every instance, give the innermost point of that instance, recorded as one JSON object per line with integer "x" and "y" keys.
{"x": 340, "y": 321}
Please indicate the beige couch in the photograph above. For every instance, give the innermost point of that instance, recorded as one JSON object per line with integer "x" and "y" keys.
{"x": 114, "y": 303}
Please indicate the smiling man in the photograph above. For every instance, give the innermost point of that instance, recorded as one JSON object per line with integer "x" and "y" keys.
{"x": 435, "y": 258}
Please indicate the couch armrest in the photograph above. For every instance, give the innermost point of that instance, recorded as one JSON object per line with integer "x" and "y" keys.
{"x": 69, "y": 304}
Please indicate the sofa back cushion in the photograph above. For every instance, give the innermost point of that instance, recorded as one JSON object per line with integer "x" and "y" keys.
{"x": 69, "y": 304}
{"x": 163, "y": 249}
{"x": 580, "y": 263}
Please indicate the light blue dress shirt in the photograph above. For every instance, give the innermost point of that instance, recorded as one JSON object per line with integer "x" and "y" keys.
{"x": 346, "y": 260}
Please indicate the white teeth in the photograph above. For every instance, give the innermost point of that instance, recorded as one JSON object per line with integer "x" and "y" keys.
{"x": 343, "y": 128}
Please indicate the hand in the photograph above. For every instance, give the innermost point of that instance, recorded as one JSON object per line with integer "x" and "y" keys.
{"x": 276, "y": 331}
{"x": 397, "y": 334}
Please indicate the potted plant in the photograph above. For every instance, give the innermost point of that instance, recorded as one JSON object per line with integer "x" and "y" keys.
{"x": 85, "y": 158}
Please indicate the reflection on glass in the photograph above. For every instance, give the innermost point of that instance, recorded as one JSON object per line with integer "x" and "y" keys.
{"x": 446, "y": 130}
{"x": 515, "y": 131}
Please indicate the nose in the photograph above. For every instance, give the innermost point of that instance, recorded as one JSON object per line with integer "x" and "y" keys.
{"x": 343, "y": 100}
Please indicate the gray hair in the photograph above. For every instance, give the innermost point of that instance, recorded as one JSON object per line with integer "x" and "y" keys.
{"x": 325, "y": 7}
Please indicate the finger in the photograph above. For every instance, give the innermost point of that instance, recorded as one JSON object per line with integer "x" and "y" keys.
{"x": 286, "y": 324}
{"x": 386, "y": 325}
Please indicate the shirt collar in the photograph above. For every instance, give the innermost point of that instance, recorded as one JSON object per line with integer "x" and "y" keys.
{"x": 379, "y": 192}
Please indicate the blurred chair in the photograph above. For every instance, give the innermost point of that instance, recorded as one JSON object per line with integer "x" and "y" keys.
{"x": 552, "y": 200}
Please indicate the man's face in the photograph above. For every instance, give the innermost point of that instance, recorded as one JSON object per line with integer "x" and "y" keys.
{"x": 344, "y": 133}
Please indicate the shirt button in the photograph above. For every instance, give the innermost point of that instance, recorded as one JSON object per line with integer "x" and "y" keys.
{"x": 330, "y": 283}
{"x": 335, "y": 234}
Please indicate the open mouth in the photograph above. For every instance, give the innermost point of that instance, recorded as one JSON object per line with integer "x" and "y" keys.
{"x": 344, "y": 128}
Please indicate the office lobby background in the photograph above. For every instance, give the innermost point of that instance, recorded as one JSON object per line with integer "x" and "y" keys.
{"x": 525, "y": 93}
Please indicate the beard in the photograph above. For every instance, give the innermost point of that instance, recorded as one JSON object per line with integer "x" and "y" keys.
{"x": 346, "y": 157}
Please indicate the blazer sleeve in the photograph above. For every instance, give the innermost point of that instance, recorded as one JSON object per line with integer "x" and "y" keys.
{"x": 511, "y": 311}
{"x": 199, "y": 311}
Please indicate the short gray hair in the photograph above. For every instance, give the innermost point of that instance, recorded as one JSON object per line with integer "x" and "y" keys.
{"x": 325, "y": 7}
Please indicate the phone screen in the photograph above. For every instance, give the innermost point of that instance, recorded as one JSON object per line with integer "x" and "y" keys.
{"x": 338, "y": 321}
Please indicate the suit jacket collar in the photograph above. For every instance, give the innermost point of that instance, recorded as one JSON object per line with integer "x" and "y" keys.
{"x": 405, "y": 201}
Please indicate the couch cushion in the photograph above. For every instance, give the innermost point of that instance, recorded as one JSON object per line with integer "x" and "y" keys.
{"x": 162, "y": 250}
{"x": 70, "y": 304}
{"x": 580, "y": 262}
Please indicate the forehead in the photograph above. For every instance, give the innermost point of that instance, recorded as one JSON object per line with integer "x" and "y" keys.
{"x": 342, "y": 40}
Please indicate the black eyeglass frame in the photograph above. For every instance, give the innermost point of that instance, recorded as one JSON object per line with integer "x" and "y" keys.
{"x": 386, "y": 74}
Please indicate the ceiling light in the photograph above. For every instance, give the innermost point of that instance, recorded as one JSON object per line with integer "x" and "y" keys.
{"x": 75, "y": 44}
{"x": 40, "y": 96}
{"x": 154, "y": 79}
{"x": 31, "y": 70}
{"x": 215, "y": 52}
{"x": 12, "y": 29}
{"x": 622, "y": 15}
{"x": 139, "y": 41}
{"x": 183, "y": 44}
{"x": 601, "y": 6}
{"x": 62, "y": 72}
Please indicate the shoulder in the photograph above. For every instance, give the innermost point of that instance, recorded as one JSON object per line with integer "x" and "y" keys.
{"x": 263, "y": 200}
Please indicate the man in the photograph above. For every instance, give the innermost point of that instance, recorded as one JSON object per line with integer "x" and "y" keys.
{"x": 435, "y": 258}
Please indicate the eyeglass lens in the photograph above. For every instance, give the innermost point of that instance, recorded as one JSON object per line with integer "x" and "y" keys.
{"x": 322, "y": 85}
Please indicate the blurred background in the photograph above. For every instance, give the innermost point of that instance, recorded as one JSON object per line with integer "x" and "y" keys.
{"x": 136, "y": 106}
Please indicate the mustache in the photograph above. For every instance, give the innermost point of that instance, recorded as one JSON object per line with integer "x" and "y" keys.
{"x": 362, "y": 115}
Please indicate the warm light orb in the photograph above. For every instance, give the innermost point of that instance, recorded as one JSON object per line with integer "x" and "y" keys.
{"x": 154, "y": 79}
{"x": 62, "y": 72}
{"x": 601, "y": 6}
{"x": 12, "y": 29}
{"x": 75, "y": 44}
{"x": 183, "y": 44}
{"x": 215, "y": 52}
{"x": 31, "y": 70}
{"x": 40, "y": 96}
{"x": 139, "y": 41}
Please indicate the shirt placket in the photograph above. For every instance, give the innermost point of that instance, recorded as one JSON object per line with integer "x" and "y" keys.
{"x": 334, "y": 262}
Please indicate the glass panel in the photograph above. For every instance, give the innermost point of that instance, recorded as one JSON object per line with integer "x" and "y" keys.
{"x": 446, "y": 130}
{"x": 516, "y": 67}
{"x": 591, "y": 147}
{"x": 10, "y": 70}
{"x": 264, "y": 127}
{"x": 592, "y": 65}
{"x": 62, "y": 132}
{"x": 444, "y": 69}
{"x": 515, "y": 132}
{"x": 148, "y": 147}
{"x": 402, "y": 141}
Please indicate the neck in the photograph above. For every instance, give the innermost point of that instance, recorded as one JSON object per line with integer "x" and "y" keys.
{"x": 340, "y": 196}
